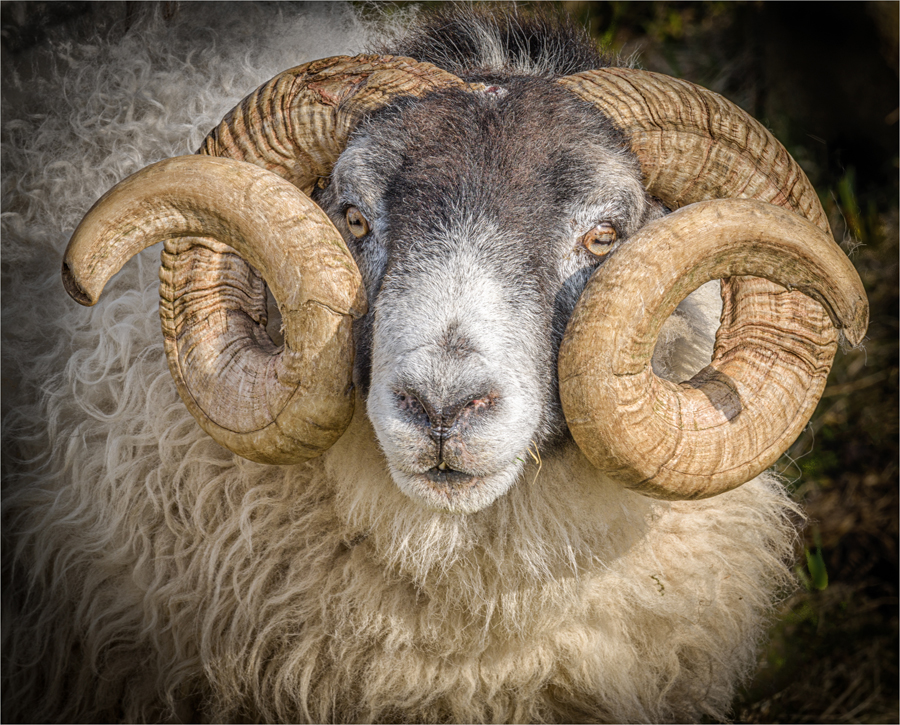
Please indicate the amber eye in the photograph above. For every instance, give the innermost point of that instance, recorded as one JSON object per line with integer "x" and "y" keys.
{"x": 600, "y": 239}
{"x": 359, "y": 227}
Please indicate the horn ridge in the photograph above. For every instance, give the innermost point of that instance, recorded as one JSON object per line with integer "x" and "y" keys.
{"x": 298, "y": 123}
{"x": 693, "y": 144}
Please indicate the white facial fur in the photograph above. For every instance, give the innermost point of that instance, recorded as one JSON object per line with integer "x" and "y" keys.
{"x": 463, "y": 300}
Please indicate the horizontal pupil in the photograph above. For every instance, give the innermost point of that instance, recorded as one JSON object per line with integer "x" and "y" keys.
{"x": 355, "y": 219}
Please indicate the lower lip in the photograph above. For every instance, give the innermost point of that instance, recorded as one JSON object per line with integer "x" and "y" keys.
{"x": 449, "y": 479}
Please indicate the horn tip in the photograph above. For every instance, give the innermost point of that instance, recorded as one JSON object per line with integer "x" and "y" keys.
{"x": 75, "y": 290}
{"x": 855, "y": 330}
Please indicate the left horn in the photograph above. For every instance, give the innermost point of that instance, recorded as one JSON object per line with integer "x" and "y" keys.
{"x": 270, "y": 405}
{"x": 693, "y": 145}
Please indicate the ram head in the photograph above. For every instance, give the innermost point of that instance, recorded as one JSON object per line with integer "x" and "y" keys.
{"x": 487, "y": 260}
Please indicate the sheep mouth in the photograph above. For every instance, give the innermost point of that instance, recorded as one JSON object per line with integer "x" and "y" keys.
{"x": 444, "y": 477}
{"x": 454, "y": 491}
{"x": 451, "y": 490}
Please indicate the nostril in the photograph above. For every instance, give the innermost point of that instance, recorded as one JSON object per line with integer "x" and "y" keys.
{"x": 436, "y": 418}
{"x": 464, "y": 411}
{"x": 412, "y": 408}
{"x": 479, "y": 404}
{"x": 405, "y": 401}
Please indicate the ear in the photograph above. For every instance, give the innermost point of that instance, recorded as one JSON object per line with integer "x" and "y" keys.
{"x": 655, "y": 210}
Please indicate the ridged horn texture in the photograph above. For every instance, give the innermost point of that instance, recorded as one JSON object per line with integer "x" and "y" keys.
{"x": 774, "y": 347}
{"x": 263, "y": 403}
{"x": 268, "y": 404}
{"x": 733, "y": 419}
{"x": 298, "y": 123}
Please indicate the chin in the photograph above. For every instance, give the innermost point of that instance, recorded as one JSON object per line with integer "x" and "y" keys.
{"x": 455, "y": 491}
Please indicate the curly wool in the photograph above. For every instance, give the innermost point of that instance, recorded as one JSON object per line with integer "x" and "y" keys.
{"x": 152, "y": 575}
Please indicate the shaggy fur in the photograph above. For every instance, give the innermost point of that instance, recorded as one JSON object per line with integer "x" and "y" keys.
{"x": 150, "y": 574}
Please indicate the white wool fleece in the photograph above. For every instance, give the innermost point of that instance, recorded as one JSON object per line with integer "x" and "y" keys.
{"x": 152, "y": 575}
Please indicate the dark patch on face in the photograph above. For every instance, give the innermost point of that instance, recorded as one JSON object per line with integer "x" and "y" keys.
{"x": 454, "y": 343}
{"x": 362, "y": 363}
{"x": 514, "y": 162}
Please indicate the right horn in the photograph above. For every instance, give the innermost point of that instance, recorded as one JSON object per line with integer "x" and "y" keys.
{"x": 774, "y": 347}
{"x": 264, "y": 403}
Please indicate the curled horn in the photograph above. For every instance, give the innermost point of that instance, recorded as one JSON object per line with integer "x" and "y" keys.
{"x": 229, "y": 229}
{"x": 774, "y": 347}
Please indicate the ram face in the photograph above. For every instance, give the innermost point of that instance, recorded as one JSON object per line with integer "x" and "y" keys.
{"x": 475, "y": 208}
{"x": 479, "y": 257}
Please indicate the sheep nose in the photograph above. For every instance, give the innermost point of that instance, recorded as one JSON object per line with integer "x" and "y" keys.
{"x": 436, "y": 416}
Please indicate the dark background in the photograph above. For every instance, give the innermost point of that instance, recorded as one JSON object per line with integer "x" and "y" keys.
{"x": 824, "y": 78}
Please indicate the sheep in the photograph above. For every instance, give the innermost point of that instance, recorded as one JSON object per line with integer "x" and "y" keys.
{"x": 154, "y": 574}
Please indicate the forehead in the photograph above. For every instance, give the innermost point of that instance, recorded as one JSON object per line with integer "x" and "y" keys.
{"x": 526, "y": 150}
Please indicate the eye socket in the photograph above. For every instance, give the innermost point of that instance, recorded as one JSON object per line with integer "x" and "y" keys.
{"x": 599, "y": 240}
{"x": 359, "y": 227}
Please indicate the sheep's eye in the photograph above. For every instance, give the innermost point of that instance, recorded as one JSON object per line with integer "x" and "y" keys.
{"x": 600, "y": 239}
{"x": 359, "y": 227}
